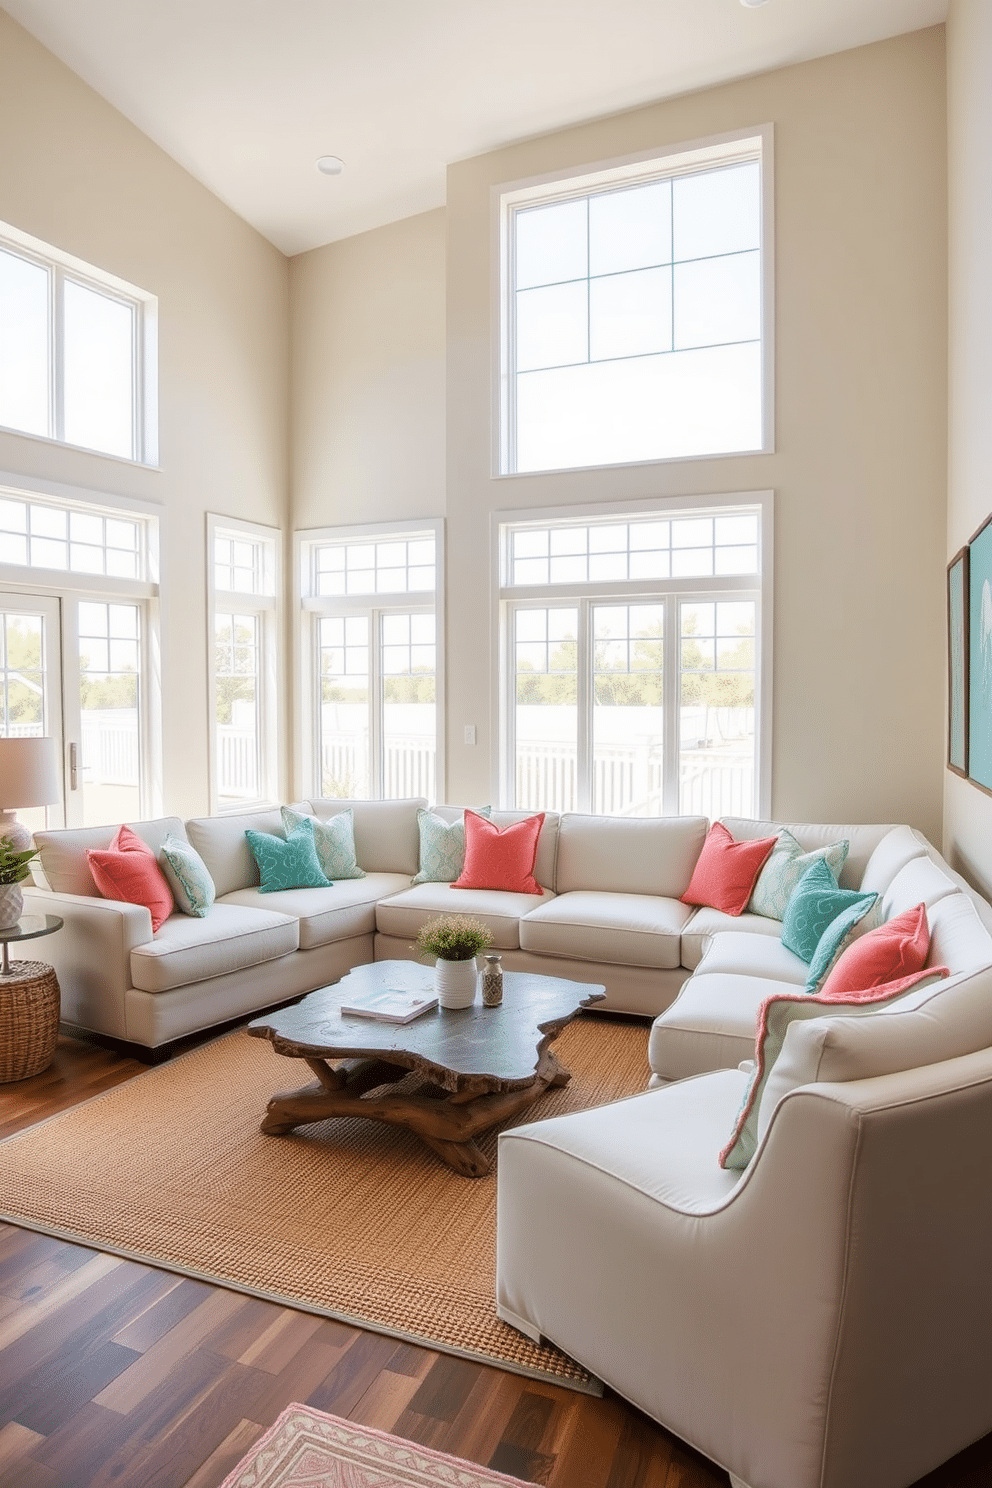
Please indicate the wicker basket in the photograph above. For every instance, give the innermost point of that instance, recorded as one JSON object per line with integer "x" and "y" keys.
{"x": 29, "y": 1019}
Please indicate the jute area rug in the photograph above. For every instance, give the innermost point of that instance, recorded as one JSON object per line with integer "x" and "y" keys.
{"x": 305, "y": 1447}
{"x": 348, "y": 1218}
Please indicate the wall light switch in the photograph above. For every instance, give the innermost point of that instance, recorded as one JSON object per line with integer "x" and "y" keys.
{"x": 470, "y": 733}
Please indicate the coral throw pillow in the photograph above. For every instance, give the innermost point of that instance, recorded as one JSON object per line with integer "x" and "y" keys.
{"x": 726, "y": 871}
{"x": 500, "y": 857}
{"x": 128, "y": 872}
{"x": 896, "y": 949}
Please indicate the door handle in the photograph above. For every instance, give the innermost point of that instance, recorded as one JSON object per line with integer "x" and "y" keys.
{"x": 73, "y": 766}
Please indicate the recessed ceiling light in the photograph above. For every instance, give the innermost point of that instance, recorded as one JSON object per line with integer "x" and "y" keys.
{"x": 753, "y": 4}
{"x": 331, "y": 165}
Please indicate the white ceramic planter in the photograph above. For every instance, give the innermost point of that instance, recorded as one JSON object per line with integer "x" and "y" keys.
{"x": 12, "y": 905}
{"x": 455, "y": 983}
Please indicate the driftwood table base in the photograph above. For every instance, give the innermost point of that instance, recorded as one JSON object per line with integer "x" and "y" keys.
{"x": 447, "y": 1123}
{"x": 483, "y": 1065}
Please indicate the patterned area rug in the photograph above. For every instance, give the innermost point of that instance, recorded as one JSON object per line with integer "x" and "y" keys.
{"x": 307, "y": 1449}
{"x": 347, "y": 1218}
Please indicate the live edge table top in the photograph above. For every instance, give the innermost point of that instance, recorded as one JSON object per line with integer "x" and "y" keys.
{"x": 491, "y": 1061}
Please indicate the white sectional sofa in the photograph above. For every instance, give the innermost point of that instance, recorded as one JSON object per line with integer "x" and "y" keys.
{"x": 822, "y": 1319}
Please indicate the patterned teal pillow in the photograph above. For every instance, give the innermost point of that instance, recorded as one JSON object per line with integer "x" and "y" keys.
{"x": 288, "y": 862}
{"x": 442, "y": 846}
{"x": 783, "y": 869}
{"x": 334, "y": 840}
{"x": 816, "y": 902}
{"x": 834, "y": 939}
{"x": 188, "y": 876}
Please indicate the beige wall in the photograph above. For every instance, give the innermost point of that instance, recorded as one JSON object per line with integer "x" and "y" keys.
{"x": 967, "y": 810}
{"x": 76, "y": 174}
{"x": 859, "y": 471}
{"x": 367, "y": 381}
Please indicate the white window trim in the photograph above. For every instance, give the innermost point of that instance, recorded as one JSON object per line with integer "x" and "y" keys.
{"x": 577, "y": 181}
{"x": 762, "y": 584}
{"x": 71, "y": 588}
{"x": 144, "y": 350}
{"x": 309, "y": 607}
{"x": 269, "y": 608}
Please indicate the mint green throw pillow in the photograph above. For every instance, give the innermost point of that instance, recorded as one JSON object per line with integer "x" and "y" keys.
{"x": 442, "y": 846}
{"x": 834, "y": 939}
{"x": 334, "y": 840}
{"x": 188, "y": 876}
{"x": 288, "y": 862}
{"x": 815, "y": 903}
{"x": 784, "y": 867}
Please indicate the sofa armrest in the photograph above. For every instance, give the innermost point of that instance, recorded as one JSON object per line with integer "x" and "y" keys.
{"x": 91, "y": 955}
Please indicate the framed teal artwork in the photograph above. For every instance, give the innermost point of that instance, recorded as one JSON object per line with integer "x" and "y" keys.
{"x": 979, "y": 699}
{"x": 957, "y": 663}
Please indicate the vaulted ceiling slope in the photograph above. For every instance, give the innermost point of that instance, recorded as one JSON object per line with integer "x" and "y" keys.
{"x": 246, "y": 94}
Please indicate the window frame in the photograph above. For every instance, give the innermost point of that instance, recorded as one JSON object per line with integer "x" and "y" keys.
{"x": 312, "y": 607}
{"x": 579, "y": 182}
{"x": 267, "y": 608}
{"x": 63, "y": 268}
{"x": 69, "y": 588}
{"x": 670, "y": 592}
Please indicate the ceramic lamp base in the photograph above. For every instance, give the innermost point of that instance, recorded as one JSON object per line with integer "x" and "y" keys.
{"x": 17, "y": 835}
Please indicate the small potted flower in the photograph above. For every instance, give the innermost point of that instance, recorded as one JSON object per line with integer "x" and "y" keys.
{"x": 455, "y": 940}
{"x": 13, "y": 871}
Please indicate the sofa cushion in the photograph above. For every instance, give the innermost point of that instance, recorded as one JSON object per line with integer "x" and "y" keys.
{"x": 726, "y": 871}
{"x": 899, "y": 846}
{"x": 896, "y": 949}
{"x": 339, "y": 912}
{"x": 500, "y": 857}
{"x": 628, "y": 855}
{"x": 835, "y": 938}
{"x": 128, "y": 871}
{"x": 547, "y": 843}
{"x": 289, "y": 862}
{"x": 223, "y": 846}
{"x": 747, "y": 954}
{"x": 334, "y": 840}
{"x": 63, "y": 853}
{"x": 862, "y": 840}
{"x": 190, "y": 882}
{"x": 403, "y": 914}
{"x": 231, "y": 938}
{"x": 920, "y": 881}
{"x": 783, "y": 869}
{"x": 442, "y": 846}
{"x": 816, "y": 902}
{"x": 386, "y": 835}
{"x": 710, "y": 1025}
{"x": 614, "y": 929}
{"x": 706, "y": 924}
{"x": 775, "y": 1018}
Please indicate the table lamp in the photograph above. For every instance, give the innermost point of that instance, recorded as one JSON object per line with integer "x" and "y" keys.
{"x": 29, "y": 776}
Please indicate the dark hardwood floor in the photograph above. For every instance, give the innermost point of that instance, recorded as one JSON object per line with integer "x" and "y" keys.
{"x": 114, "y": 1373}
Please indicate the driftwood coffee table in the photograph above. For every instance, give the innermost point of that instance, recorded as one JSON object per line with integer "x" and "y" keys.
{"x": 489, "y": 1063}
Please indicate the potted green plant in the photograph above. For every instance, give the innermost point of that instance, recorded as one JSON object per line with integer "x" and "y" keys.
{"x": 455, "y": 940}
{"x": 13, "y": 871}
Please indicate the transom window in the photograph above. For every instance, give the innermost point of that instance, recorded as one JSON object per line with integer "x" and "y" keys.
{"x": 634, "y": 312}
{"x": 636, "y": 692}
{"x": 77, "y": 352}
{"x": 398, "y": 566}
{"x": 45, "y": 535}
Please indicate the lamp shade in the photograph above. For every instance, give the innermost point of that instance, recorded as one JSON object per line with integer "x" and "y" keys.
{"x": 29, "y": 773}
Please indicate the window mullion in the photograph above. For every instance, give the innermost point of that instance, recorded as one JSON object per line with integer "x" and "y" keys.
{"x": 672, "y": 703}
{"x": 57, "y": 352}
{"x": 584, "y": 704}
{"x": 376, "y": 731}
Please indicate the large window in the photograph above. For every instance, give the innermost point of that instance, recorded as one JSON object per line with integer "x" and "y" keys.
{"x": 244, "y": 589}
{"x": 371, "y": 661}
{"x": 633, "y": 662}
{"x": 77, "y": 352}
{"x": 77, "y": 585}
{"x": 635, "y": 318}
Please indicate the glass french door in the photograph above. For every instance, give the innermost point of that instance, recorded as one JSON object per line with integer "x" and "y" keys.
{"x": 73, "y": 669}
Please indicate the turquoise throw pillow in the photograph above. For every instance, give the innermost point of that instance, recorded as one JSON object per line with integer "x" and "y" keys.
{"x": 288, "y": 862}
{"x": 783, "y": 869}
{"x": 815, "y": 903}
{"x": 188, "y": 876}
{"x": 442, "y": 846}
{"x": 334, "y": 840}
{"x": 834, "y": 939}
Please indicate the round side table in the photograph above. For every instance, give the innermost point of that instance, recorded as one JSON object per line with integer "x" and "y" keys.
{"x": 29, "y": 1003}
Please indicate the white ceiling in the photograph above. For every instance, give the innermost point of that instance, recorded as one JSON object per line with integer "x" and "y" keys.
{"x": 247, "y": 93}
